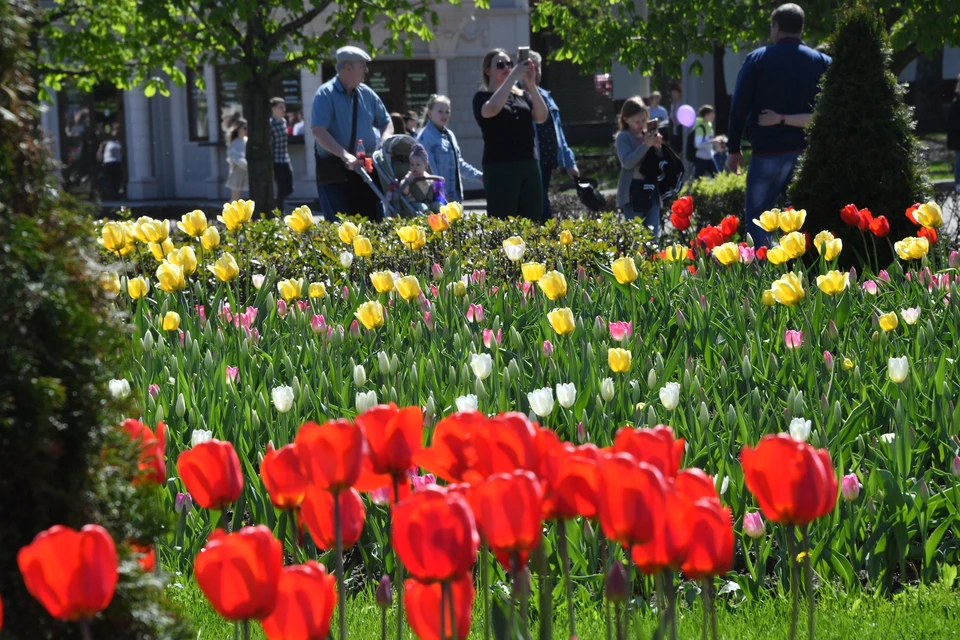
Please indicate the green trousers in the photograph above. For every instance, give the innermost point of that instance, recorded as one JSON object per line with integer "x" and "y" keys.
{"x": 513, "y": 189}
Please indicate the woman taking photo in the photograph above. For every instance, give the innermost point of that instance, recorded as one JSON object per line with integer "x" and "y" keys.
{"x": 506, "y": 116}
{"x": 638, "y": 193}
{"x": 443, "y": 150}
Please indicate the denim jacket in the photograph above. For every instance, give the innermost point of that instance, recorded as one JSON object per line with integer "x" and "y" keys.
{"x": 565, "y": 156}
{"x": 443, "y": 154}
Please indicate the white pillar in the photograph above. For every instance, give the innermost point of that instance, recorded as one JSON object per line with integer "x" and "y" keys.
{"x": 141, "y": 183}
{"x": 309, "y": 83}
{"x": 443, "y": 77}
{"x": 218, "y": 176}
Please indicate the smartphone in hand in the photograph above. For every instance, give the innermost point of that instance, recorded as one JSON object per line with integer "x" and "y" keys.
{"x": 523, "y": 54}
{"x": 653, "y": 125}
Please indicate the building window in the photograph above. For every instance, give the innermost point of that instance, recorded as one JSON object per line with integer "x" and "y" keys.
{"x": 287, "y": 86}
{"x": 197, "y": 109}
{"x": 403, "y": 85}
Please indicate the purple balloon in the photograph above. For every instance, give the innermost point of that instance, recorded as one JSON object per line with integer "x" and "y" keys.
{"x": 686, "y": 115}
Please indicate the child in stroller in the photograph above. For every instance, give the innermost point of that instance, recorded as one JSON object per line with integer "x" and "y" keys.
{"x": 424, "y": 190}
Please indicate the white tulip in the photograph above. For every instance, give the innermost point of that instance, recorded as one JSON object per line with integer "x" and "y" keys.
{"x": 346, "y": 259}
{"x": 199, "y": 436}
{"x": 482, "y": 365}
{"x": 359, "y": 375}
{"x": 467, "y": 402}
{"x": 119, "y": 389}
{"x": 606, "y": 389}
{"x": 911, "y": 315}
{"x": 282, "y": 398}
{"x": 514, "y": 250}
{"x": 384, "y": 361}
{"x": 670, "y": 396}
{"x": 888, "y": 437}
{"x": 898, "y": 368}
{"x": 541, "y": 401}
{"x": 800, "y": 429}
{"x": 257, "y": 279}
{"x": 566, "y": 394}
{"x": 366, "y": 401}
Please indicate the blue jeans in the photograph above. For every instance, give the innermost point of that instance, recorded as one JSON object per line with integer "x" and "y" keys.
{"x": 956, "y": 171}
{"x": 545, "y": 174}
{"x": 767, "y": 180}
{"x": 650, "y": 219}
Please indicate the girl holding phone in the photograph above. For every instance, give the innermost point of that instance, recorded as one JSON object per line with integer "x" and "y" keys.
{"x": 636, "y": 144}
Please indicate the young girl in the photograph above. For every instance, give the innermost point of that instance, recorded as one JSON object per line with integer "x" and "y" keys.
{"x": 705, "y": 164}
{"x": 237, "y": 160}
{"x": 638, "y": 194}
{"x": 424, "y": 189}
{"x": 443, "y": 151}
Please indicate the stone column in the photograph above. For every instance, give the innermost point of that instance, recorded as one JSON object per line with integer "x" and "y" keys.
{"x": 218, "y": 176}
{"x": 141, "y": 182}
{"x": 309, "y": 83}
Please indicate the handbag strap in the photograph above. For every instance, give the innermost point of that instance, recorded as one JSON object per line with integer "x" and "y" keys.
{"x": 353, "y": 126}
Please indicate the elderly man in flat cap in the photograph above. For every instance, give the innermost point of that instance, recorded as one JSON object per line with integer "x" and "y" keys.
{"x": 346, "y": 112}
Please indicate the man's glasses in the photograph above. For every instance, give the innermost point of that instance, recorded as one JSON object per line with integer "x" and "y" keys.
{"x": 504, "y": 64}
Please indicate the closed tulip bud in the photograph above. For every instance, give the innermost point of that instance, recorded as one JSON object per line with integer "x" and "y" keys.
{"x": 181, "y": 406}
{"x": 547, "y": 349}
{"x": 384, "y": 596}
{"x": 704, "y": 416}
{"x": 359, "y": 375}
{"x": 394, "y": 365}
{"x": 828, "y": 361}
{"x": 616, "y": 585}
{"x": 652, "y": 378}
{"x": 746, "y": 368}
{"x": 171, "y": 321}
{"x": 606, "y": 389}
{"x": 923, "y": 490}
{"x": 753, "y": 524}
{"x": 183, "y": 503}
{"x": 210, "y": 239}
{"x": 346, "y": 259}
{"x": 681, "y": 319}
{"x": 955, "y": 467}
{"x": 850, "y": 487}
{"x": 459, "y": 289}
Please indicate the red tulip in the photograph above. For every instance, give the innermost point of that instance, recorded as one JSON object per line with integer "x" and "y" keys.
{"x": 306, "y": 597}
{"x": 729, "y": 225}
{"x": 393, "y": 437}
{"x": 153, "y": 467}
{"x": 508, "y": 508}
{"x": 761, "y": 253}
{"x": 682, "y": 207}
{"x": 880, "y": 226}
{"x": 710, "y": 237}
{"x": 73, "y": 574}
{"x": 630, "y": 500}
{"x": 317, "y": 512}
{"x": 679, "y": 222}
{"x": 148, "y": 556}
{"x": 505, "y": 445}
{"x": 910, "y": 213}
{"x": 695, "y": 485}
{"x": 793, "y": 482}
{"x": 569, "y": 477}
{"x": 331, "y": 454}
{"x": 282, "y": 476}
{"x": 657, "y": 447}
{"x": 850, "y": 215}
{"x": 422, "y": 602}
{"x": 239, "y": 572}
{"x": 452, "y": 455}
{"x": 865, "y": 219}
{"x": 435, "y": 535}
{"x": 668, "y": 548}
{"x": 211, "y": 473}
{"x": 929, "y": 234}
{"x": 711, "y": 542}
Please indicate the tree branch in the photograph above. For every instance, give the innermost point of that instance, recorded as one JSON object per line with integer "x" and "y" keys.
{"x": 288, "y": 28}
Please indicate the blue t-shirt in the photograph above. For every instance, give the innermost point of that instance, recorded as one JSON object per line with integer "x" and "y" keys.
{"x": 333, "y": 110}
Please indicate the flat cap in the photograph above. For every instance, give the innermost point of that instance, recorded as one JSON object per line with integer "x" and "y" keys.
{"x": 352, "y": 54}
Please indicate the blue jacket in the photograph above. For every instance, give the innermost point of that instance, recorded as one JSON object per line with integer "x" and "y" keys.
{"x": 446, "y": 161}
{"x": 565, "y": 157}
{"x": 783, "y": 77}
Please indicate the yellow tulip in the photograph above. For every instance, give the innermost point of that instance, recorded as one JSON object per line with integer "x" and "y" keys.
{"x": 147, "y": 230}
{"x": 290, "y": 289}
{"x": 459, "y": 289}
{"x": 625, "y": 269}
{"x": 137, "y": 288}
{"x": 237, "y": 214}
{"x": 128, "y": 248}
{"x": 317, "y": 290}
{"x": 566, "y": 238}
{"x": 113, "y": 237}
{"x": 794, "y": 243}
{"x": 193, "y": 223}
{"x": 912, "y": 248}
{"x": 226, "y": 268}
{"x": 562, "y": 321}
{"x": 847, "y": 364}
{"x": 619, "y": 360}
{"x": 820, "y": 238}
{"x": 362, "y": 247}
{"x": 833, "y": 282}
{"x": 210, "y": 239}
{"x": 161, "y": 250}
{"x": 514, "y": 247}
{"x": 412, "y": 237}
{"x": 453, "y": 211}
{"x": 929, "y": 215}
{"x": 438, "y": 222}
{"x": 831, "y": 248}
{"x": 727, "y": 253}
{"x": 888, "y": 321}
{"x": 408, "y": 287}
{"x": 553, "y": 285}
{"x": 769, "y": 220}
{"x": 768, "y": 299}
{"x": 382, "y": 281}
{"x": 300, "y": 220}
{"x": 347, "y": 232}
{"x": 777, "y": 255}
{"x": 788, "y": 290}
{"x": 171, "y": 321}
{"x": 533, "y": 271}
{"x": 675, "y": 253}
{"x": 370, "y": 314}
{"x": 110, "y": 282}
{"x": 170, "y": 277}
{"x": 791, "y": 220}
{"x": 185, "y": 258}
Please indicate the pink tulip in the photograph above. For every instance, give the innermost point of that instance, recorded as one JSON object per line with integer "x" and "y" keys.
{"x": 621, "y": 330}
{"x": 850, "y": 487}
{"x": 753, "y": 524}
{"x": 475, "y": 313}
{"x": 581, "y": 274}
{"x": 282, "y": 308}
{"x": 883, "y": 276}
{"x": 828, "y": 360}
{"x": 434, "y": 291}
{"x": 581, "y": 433}
{"x": 955, "y": 467}
{"x": 747, "y": 254}
{"x": 153, "y": 390}
{"x": 232, "y": 373}
{"x": 355, "y": 329}
{"x": 489, "y": 337}
{"x": 380, "y": 496}
{"x": 318, "y": 324}
{"x": 428, "y": 320}
{"x": 479, "y": 277}
{"x": 870, "y": 287}
{"x": 224, "y": 312}
{"x": 527, "y": 287}
{"x": 303, "y": 305}
{"x": 252, "y": 335}
{"x": 419, "y": 482}
{"x": 547, "y": 349}
{"x": 183, "y": 337}
{"x": 202, "y": 313}
{"x": 954, "y": 260}
{"x": 793, "y": 339}
{"x": 436, "y": 271}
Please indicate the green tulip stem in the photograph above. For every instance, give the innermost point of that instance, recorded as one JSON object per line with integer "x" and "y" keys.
{"x": 85, "y": 629}
{"x": 565, "y": 560}
{"x": 246, "y": 630}
{"x": 794, "y": 579}
{"x": 398, "y": 573}
{"x": 485, "y": 588}
{"x": 295, "y": 535}
{"x": 671, "y": 593}
{"x": 808, "y": 580}
{"x": 383, "y": 623}
{"x": 443, "y": 611}
{"x": 341, "y": 587}
{"x": 448, "y": 586}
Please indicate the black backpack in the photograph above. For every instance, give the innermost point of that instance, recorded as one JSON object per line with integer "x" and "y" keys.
{"x": 691, "y": 147}
{"x": 590, "y": 195}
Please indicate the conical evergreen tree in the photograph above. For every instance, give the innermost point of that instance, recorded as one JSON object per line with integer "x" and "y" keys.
{"x": 861, "y": 146}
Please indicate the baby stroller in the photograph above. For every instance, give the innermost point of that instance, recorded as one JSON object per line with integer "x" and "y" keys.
{"x": 391, "y": 163}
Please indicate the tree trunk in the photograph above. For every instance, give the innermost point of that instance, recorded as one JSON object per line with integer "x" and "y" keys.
{"x": 721, "y": 99}
{"x": 256, "y": 110}
{"x": 927, "y": 101}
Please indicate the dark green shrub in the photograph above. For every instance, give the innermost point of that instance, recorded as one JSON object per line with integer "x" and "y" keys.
{"x": 58, "y": 346}
{"x": 861, "y": 144}
{"x": 717, "y": 197}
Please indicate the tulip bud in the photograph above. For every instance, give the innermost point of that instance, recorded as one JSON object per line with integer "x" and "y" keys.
{"x": 181, "y": 406}
{"x": 183, "y": 503}
{"x": 606, "y": 389}
{"x": 652, "y": 379}
{"x": 547, "y": 349}
{"x": 147, "y": 343}
{"x": 704, "y": 416}
{"x": 828, "y": 361}
{"x": 753, "y": 524}
{"x": 160, "y": 414}
{"x": 746, "y": 368}
{"x": 955, "y": 467}
{"x": 850, "y": 487}
{"x": 359, "y": 375}
{"x": 954, "y": 260}
{"x": 384, "y": 597}
{"x": 615, "y": 586}
{"x": 923, "y": 491}
{"x": 588, "y": 533}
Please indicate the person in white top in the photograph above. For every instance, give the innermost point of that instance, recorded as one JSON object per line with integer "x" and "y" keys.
{"x": 705, "y": 142}
{"x": 237, "y": 180}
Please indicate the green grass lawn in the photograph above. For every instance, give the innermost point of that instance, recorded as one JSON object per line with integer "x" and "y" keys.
{"x": 926, "y": 613}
